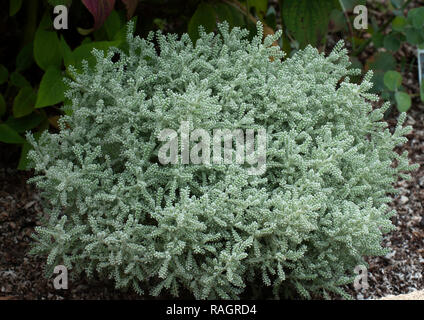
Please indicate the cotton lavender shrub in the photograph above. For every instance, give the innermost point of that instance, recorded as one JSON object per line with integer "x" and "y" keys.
{"x": 112, "y": 210}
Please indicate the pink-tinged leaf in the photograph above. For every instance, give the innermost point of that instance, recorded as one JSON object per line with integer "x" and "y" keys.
{"x": 131, "y": 5}
{"x": 100, "y": 9}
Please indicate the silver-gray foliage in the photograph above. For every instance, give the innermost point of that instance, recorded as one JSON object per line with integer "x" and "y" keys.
{"x": 321, "y": 206}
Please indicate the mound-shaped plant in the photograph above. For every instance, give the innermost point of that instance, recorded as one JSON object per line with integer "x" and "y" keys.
{"x": 302, "y": 226}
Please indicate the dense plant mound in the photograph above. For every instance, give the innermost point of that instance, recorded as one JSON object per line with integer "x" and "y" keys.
{"x": 301, "y": 226}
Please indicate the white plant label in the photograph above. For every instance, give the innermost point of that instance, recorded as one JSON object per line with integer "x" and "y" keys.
{"x": 420, "y": 65}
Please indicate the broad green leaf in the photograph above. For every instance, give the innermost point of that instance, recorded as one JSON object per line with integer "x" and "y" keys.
{"x": 66, "y": 52}
{"x": 203, "y": 16}
{"x": 378, "y": 39}
{"x": 8, "y": 135}
{"x": 337, "y": 21}
{"x": 416, "y": 17}
{"x": 24, "y": 102}
{"x": 2, "y": 106}
{"x": 26, "y": 123}
{"x": 51, "y": 89}
{"x": 25, "y": 58}
{"x": 378, "y": 82}
{"x": 46, "y": 47}
{"x": 399, "y": 23}
{"x": 19, "y": 80}
{"x": 386, "y": 95}
{"x": 112, "y": 25}
{"x": 392, "y": 80}
{"x": 237, "y": 17}
{"x": 14, "y": 6}
{"x": 223, "y": 13}
{"x": 86, "y": 40}
{"x": 307, "y": 20}
{"x": 383, "y": 61}
{"x": 403, "y": 101}
{"x": 4, "y": 74}
{"x": 414, "y": 36}
{"x": 392, "y": 42}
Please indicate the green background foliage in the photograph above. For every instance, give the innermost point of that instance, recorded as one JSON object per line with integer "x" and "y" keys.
{"x": 31, "y": 83}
